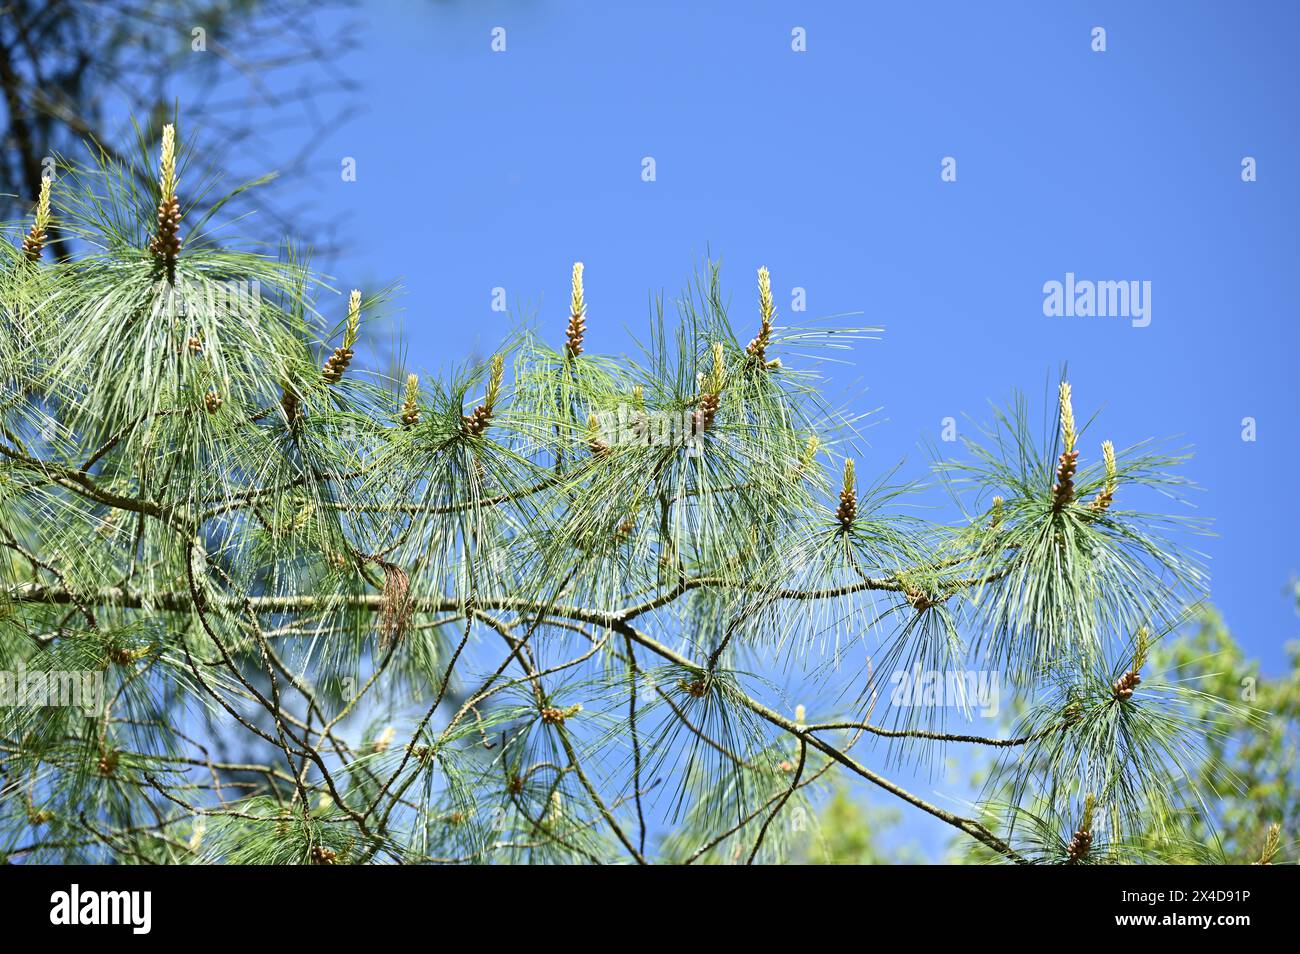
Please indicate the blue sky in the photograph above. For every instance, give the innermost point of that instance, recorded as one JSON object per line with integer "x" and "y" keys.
{"x": 478, "y": 170}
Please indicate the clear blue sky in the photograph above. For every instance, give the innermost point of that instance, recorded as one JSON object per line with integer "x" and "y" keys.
{"x": 478, "y": 169}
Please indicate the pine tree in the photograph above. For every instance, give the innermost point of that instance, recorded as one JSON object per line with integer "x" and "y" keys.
{"x": 521, "y": 612}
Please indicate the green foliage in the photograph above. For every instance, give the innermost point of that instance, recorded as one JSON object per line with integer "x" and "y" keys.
{"x": 1226, "y": 789}
{"x": 347, "y": 619}
{"x": 848, "y": 831}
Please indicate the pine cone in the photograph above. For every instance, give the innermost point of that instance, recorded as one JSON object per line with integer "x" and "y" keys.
{"x": 212, "y": 401}
{"x": 708, "y": 410}
{"x": 696, "y": 688}
{"x": 477, "y": 422}
{"x": 1063, "y": 489}
{"x": 322, "y": 856}
{"x": 574, "y": 334}
{"x": 121, "y": 657}
{"x": 847, "y": 511}
{"x": 1078, "y": 847}
{"x": 33, "y": 243}
{"x": 166, "y": 244}
{"x": 291, "y": 405}
{"x": 920, "y": 600}
{"x": 1125, "y": 685}
{"x": 338, "y": 363}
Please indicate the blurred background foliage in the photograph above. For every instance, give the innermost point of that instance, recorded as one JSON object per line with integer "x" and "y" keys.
{"x": 852, "y": 830}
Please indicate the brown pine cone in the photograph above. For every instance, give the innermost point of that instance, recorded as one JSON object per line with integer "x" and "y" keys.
{"x": 338, "y": 363}
{"x": 477, "y": 422}
{"x": 1079, "y": 846}
{"x": 921, "y": 601}
{"x": 696, "y": 688}
{"x": 708, "y": 410}
{"x": 847, "y": 511}
{"x": 1063, "y": 489}
{"x": 166, "y": 244}
{"x": 574, "y": 334}
{"x": 291, "y": 405}
{"x": 33, "y": 243}
{"x": 1125, "y": 685}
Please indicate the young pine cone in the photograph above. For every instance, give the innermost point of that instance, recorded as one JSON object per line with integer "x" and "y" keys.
{"x": 574, "y": 333}
{"x": 166, "y": 244}
{"x": 33, "y": 243}
{"x": 707, "y": 411}
{"x": 921, "y": 600}
{"x": 757, "y": 347}
{"x": 34, "y": 240}
{"x": 1079, "y": 845}
{"x": 1125, "y": 685}
{"x": 212, "y": 401}
{"x": 847, "y": 511}
{"x": 696, "y": 688}
{"x": 1107, "y": 494}
{"x": 577, "y": 328}
{"x": 595, "y": 439}
{"x": 291, "y": 405}
{"x": 338, "y": 363}
{"x": 120, "y": 656}
{"x": 477, "y": 421}
{"x": 342, "y": 357}
{"x": 1063, "y": 489}
{"x": 551, "y": 715}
